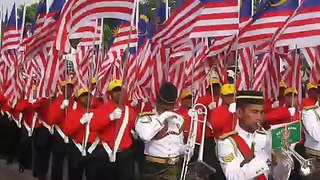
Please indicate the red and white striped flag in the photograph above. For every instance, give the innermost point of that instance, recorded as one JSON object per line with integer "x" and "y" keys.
{"x": 246, "y": 62}
{"x": 217, "y": 18}
{"x": 303, "y": 30}
{"x": 312, "y": 56}
{"x": 75, "y": 12}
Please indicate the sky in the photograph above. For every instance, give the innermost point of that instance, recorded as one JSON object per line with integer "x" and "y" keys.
{"x": 8, "y": 3}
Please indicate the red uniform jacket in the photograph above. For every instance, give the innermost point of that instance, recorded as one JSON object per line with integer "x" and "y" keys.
{"x": 42, "y": 108}
{"x": 187, "y": 122}
{"x": 27, "y": 111}
{"x": 282, "y": 115}
{"x": 106, "y": 128}
{"x": 96, "y": 102}
{"x": 206, "y": 100}
{"x": 74, "y": 129}
{"x": 223, "y": 121}
{"x": 307, "y": 102}
{"x": 56, "y": 114}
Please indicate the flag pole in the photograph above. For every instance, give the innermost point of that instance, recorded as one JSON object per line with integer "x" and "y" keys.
{"x": 126, "y": 58}
{"x": 1, "y": 23}
{"x": 23, "y": 21}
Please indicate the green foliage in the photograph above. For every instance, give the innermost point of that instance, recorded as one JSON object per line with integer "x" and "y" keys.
{"x": 30, "y": 13}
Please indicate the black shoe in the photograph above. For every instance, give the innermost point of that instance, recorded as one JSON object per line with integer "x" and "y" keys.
{"x": 21, "y": 169}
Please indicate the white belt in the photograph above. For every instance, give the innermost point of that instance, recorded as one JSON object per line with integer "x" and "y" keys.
{"x": 50, "y": 128}
{"x": 104, "y": 145}
{"x": 64, "y": 137}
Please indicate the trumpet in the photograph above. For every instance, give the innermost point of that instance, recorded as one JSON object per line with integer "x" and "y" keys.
{"x": 308, "y": 166}
{"x": 198, "y": 169}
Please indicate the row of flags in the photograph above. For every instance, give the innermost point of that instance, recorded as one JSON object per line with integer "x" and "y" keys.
{"x": 196, "y": 42}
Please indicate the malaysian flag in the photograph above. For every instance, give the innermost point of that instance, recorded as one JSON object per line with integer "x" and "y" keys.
{"x": 259, "y": 72}
{"x": 11, "y": 36}
{"x": 217, "y": 18}
{"x": 89, "y": 31}
{"x": 221, "y": 44}
{"x": 303, "y": 30}
{"x": 75, "y": 12}
{"x": 312, "y": 56}
{"x": 39, "y": 19}
{"x": 179, "y": 24}
{"x": 270, "y": 17}
{"x": 246, "y": 68}
{"x": 44, "y": 37}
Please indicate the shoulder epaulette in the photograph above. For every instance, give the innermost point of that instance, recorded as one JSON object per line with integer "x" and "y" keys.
{"x": 226, "y": 135}
{"x": 310, "y": 107}
{"x": 261, "y": 132}
{"x": 146, "y": 114}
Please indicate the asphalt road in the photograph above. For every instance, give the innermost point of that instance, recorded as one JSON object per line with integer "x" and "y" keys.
{"x": 10, "y": 172}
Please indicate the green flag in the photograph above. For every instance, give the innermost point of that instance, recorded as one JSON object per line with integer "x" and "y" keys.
{"x": 278, "y": 134}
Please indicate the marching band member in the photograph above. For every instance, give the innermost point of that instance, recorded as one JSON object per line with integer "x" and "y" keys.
{"x": 74, "y": 127}
{"x": 42, "y": 138}
{"x": 26, "y": 113}
{"x": 162, "y": 133}
{"x": 223, "y": 120}
{"x": 57, "y": 113}
{"x": 311, "y": 123}
{"x": 270, "y": 104}
{"x": 246, "y": 154}
{"x": 111, "y": 155}
{"x": 288, "y": 113}
{"x": 183, "y": 110}
{"x": 214, "y": 89}
{"x": 312, "y": 95}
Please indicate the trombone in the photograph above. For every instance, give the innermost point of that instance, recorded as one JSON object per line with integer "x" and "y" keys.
{"x": 199, "y": 168}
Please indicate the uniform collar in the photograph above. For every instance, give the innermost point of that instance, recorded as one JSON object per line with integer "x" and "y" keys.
{"x": 244, "y": 133}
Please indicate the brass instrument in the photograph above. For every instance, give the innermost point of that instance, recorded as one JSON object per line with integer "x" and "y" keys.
{"x": 308, "y": 166}
{"x": 198, "y": 169}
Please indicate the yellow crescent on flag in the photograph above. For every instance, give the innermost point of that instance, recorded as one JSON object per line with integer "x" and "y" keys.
{"x": 281, "y": 2}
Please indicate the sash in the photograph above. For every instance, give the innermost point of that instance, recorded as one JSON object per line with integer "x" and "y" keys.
{"x": 34, "y": 119}
{"x": 120, "y": 134}
{"x": 245, "y": 151}
{"x": 61, "y": 133}
{"x": 50, "y": 128}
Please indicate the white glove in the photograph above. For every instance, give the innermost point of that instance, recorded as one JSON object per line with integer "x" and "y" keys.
{"x": 86, "y": 118}
{"x": 134, "y": 103}
{"x": 275, "y": 104}
{"x": 166, "y": 115}
{"x": 64, "y": 104}
{"x": 192, "y": 113}
{"x": 232, "y": 107}
{"x": 212, "y": 105}
{"x": 116, "y": 114}
{"x": 292, "y": 111}
{"x": 185, "y": 150}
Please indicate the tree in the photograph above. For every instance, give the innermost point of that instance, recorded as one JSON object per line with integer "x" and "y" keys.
{"x": 30, "y": 13}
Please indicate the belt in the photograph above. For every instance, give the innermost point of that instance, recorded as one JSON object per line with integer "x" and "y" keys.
{"x": 313, "y": 152}
{"x": 159, "y": 160}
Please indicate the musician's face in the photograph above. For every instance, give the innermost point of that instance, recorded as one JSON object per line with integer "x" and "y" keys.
{"x": 228, "y": 99}
{"x": 289, "y": 101}
{"x": 115, "y": 94}
{"x": 186, "y": 102}
{"x": 312, "y": 93}
{"x": 69, "y": 90}
{"x": 83, "y": 100}
{"x": 250, "y": 116}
